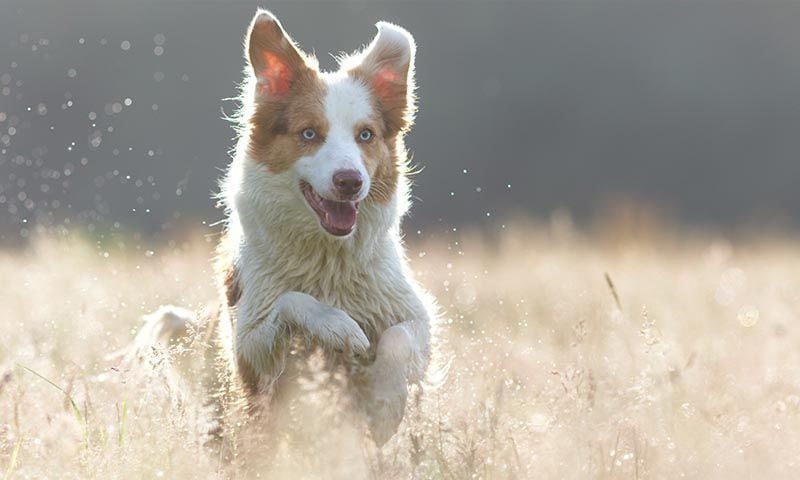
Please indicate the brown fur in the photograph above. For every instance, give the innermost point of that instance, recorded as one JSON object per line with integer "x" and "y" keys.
{"x": 248, "y": 378}
{"x": 392, "y": 95}
{"x": 288, "y": 97}
{"x": 277, "y": 125}
{"x": 230, "y": 292}
{"x": 231, "y": 289}
{"x": 392, "y": 87}
{"x": 383, "y": 154}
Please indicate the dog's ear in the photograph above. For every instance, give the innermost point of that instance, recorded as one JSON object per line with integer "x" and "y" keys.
{"x": 387, "y": 66}
{"x": 275, "y": 59}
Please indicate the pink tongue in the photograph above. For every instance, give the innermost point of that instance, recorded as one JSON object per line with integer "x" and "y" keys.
{"x": 339, "y": 215}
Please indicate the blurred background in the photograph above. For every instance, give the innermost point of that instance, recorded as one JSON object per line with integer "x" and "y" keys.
{"x": 111, "y": 112}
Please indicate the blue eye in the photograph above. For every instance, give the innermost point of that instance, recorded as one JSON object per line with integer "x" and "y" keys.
{"x": 365, "y": 135}
{"x": 309, "y": 134}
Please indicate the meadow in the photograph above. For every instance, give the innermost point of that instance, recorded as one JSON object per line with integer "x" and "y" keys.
{"x": 571, "y": 354}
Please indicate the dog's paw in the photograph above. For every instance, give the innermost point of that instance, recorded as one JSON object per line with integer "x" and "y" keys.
{"x": 332, "y": 327}
{"x": 386, "y": 399}
{"x": 339, "y": 331}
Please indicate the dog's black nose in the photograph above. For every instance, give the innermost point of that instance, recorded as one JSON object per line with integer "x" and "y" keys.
{"x": 347, "y": 183}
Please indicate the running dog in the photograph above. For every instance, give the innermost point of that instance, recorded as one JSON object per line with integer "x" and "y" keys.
{"x": 312, "y": 254}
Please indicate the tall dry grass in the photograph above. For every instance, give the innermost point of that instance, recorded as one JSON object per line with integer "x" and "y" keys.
{"x": 571, "y": 356}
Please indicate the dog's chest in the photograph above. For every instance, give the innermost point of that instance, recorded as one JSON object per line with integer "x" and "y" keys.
{"x": 372, "y": 297}
{"x": 375, "y": 294}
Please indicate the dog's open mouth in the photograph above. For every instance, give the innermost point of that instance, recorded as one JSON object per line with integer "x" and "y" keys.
{"x": 336, "y": 217}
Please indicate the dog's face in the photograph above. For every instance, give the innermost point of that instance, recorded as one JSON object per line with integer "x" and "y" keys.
{"x": 334, "y": 139}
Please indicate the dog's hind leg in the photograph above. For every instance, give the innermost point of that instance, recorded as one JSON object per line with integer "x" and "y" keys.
{"x": 169, "y": 326}
{"x": 181, "y": 346}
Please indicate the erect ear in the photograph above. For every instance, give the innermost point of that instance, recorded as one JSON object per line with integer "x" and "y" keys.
{"x": 276, "y": 61}
{"x": 387, "y": 66}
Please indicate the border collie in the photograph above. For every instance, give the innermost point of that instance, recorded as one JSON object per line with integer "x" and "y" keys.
{"x": 312, "y": 248}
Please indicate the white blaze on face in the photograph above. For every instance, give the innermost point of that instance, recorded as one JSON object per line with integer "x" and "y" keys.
{"x": 347, "y": 105}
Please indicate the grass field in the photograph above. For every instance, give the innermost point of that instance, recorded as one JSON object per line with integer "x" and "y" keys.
{"x": 572, "y": 356}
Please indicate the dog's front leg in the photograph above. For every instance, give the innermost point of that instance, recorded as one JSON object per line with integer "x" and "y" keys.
{"x": 330, "y": 326}
{"x": 401, "y": 357}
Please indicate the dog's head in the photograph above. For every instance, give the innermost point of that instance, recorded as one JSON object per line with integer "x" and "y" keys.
{"x": 332, "y": 141}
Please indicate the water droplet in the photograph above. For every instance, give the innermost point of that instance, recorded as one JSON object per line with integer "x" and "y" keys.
{"x": 748, "y": 316}
{"x": 95, "y": 139}
{"x": 627, "y": 456}
{"x": 742, "y": 424}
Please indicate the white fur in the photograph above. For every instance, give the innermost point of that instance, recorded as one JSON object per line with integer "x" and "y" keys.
{"x": 282, "y": 248}
{"x": 346, "y": 105}
{"x": 390, "y": 37}
{"x": 395, "y": 36}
